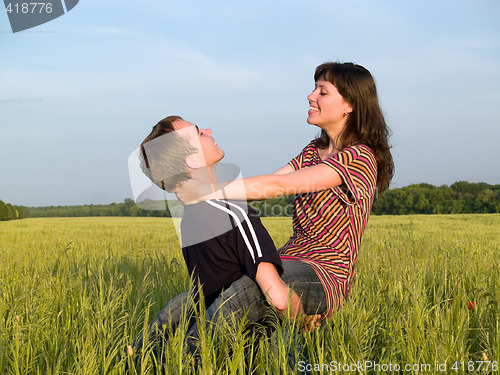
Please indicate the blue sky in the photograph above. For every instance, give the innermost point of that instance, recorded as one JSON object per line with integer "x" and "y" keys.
{"x": 78, "y": 94}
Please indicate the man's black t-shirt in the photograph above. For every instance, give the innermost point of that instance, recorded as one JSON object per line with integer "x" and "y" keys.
{"x": 223, "y": 240}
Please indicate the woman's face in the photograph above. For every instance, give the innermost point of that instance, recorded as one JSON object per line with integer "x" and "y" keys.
{"x": 326, "y": 106}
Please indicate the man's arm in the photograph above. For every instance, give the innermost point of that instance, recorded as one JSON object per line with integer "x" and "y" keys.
{"x": 279, "y": 295}
{"x": 275, "y": 290}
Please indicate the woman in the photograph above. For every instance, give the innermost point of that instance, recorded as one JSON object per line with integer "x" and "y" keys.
{"x": 335, "y": 179}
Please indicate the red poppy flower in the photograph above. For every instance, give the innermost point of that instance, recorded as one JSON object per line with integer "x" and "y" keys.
{"x": 471, "y": 305}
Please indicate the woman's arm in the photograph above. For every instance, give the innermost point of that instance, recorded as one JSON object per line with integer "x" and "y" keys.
{"x": 284, "y": 170}
{"x": 307, "y": 180}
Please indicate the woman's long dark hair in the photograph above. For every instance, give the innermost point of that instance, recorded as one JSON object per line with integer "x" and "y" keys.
{"x": 365, "y": 124}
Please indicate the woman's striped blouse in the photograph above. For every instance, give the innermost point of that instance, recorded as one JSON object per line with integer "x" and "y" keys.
{"x": 328, "y": 225}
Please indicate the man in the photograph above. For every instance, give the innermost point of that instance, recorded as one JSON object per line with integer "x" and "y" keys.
{"x": 222, "y": 241}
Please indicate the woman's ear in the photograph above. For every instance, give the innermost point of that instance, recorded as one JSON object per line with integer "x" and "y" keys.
{"x": 347, "y": 108}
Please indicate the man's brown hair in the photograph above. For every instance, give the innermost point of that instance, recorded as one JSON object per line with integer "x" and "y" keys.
{"x": 163, "y": 159}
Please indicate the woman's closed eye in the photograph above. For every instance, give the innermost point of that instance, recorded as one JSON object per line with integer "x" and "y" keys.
{"x": 321, "y": 92}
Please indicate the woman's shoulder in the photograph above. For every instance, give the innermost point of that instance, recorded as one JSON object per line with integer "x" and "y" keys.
{"x": 307, "y": 156}
{"x": 355, "y": 150}
{"x": 357, "y": 156}
{"x": 359, "y": 150}
{"x": 310, "y": 147}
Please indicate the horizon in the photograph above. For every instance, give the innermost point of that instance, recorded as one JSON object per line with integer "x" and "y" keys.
{"x": 152, "y": 200}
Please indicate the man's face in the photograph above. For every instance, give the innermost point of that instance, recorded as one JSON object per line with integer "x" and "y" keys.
{"x": 201, "y": 139}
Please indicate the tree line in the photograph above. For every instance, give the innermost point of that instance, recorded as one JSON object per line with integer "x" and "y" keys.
{"x": 459, "y": 198}
{"x": 11, "y": 212}
{"x": 127, "y": 208}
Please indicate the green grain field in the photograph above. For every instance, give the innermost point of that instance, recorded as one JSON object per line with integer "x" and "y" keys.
{"x": 75, "y": 292}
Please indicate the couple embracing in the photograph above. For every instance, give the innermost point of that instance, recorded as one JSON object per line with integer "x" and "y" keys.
{"x": 227, "y": 249}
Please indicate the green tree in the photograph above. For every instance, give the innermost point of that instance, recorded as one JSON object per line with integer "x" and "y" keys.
{"x": 3, "y": 211}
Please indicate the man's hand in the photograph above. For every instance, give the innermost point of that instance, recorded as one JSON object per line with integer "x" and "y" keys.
{"x": 307, "y": 323}
{"x": 295, "y": 312}
{"x": 310, "y": 322}
{"x": 286, "y": 302}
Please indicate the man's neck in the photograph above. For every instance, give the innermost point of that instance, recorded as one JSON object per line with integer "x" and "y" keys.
{"x": 205, "y": 175}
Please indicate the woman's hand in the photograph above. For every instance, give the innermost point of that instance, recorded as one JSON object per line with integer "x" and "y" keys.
{"x": 191, "y": 191}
